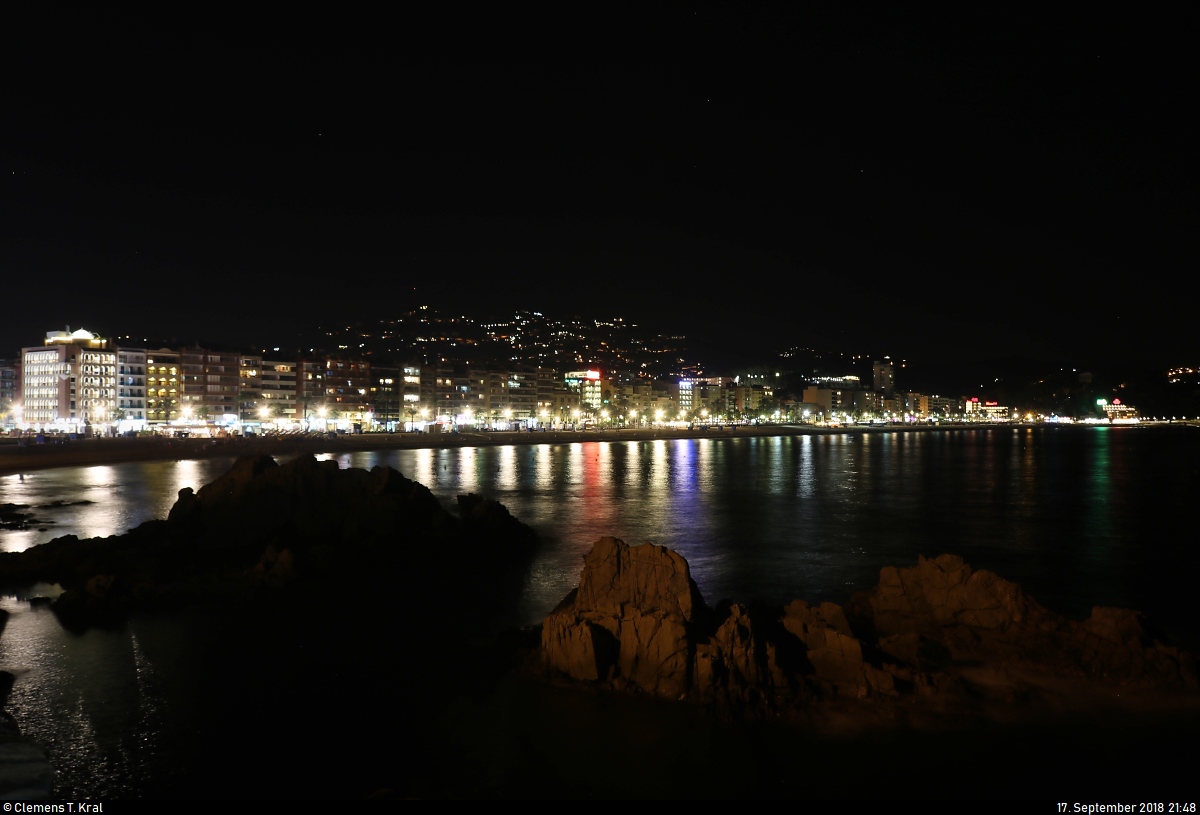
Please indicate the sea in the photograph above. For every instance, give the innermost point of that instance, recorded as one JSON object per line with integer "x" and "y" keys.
{"x": 188, "y": 705}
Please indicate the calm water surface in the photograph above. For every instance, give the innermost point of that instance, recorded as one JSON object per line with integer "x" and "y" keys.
{"x": 1079, "y": 517}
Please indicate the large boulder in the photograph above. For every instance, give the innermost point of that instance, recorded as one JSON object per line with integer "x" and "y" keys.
{"x": 630, "y": 621}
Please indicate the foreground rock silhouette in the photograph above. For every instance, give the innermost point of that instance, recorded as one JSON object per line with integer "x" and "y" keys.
{"x": 935, "y": 643}
{"x": 263, "y": 531}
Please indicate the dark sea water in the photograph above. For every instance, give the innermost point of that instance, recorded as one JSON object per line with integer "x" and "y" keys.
{"x": 201, "y": 706}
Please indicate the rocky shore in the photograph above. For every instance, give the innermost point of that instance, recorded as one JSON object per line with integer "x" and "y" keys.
{"x": 934, "y": 643}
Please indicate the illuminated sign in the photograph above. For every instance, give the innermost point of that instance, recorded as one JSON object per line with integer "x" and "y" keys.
{"x": 593, "y": 374}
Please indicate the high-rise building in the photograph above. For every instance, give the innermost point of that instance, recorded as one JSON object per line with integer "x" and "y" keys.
{"x": 10, "y": 396}
{"x": 162, "y": 386}
{"x": 278, "y": 391}
{"x": 210, "y": 381}
{"x": 131, "y": 388}
{"x": 884, "y": 374}
{"x": 70, "y": 381}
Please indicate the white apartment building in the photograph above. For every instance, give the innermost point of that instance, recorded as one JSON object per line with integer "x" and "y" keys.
{"x": 70, "y": 381}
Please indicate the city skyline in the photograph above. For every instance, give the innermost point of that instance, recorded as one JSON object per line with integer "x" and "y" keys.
{"x": 524, "y": 370}
{"x": 976, "y": 187}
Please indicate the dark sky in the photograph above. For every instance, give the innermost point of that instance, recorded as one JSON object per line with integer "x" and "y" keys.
{"x": 889, "y": 180}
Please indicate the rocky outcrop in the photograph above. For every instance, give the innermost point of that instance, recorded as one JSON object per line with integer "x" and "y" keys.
{"x": 938, "y": 638}
{"x": 12, "y": 517}
{"x": 944, "y": 606}
{"x": 263, "y": 528}
{"x": 630, "y": 620}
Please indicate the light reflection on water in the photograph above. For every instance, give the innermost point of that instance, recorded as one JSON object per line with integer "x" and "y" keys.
{"x": 765, "y": 517}
{"x": 94, "y": 701}
{"x": 101, "y": 500}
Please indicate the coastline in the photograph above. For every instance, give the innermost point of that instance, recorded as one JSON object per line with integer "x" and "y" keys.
{"x": 15, "y": 458}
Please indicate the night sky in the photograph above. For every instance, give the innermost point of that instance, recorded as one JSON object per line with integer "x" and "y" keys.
{"x": 892, "y": 180}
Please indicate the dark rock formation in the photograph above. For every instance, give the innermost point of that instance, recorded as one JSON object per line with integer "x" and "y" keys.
{"x": 938, "y": 639}
{"x": 262, "y": 528}
{"x": 11, "y": 517}
{"x": 943, "y": 606}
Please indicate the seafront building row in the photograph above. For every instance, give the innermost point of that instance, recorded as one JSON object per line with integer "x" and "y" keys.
{"x": 79, "y": 382}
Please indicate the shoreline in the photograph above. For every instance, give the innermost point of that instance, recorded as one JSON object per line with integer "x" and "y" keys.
{"x": 16, "y": 459}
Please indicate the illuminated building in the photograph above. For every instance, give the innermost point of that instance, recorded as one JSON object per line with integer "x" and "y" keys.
{"x": 162, "y": 386}
{"x": 249, "y": 387}
{"x": 10, "y": 396}
{"x": 590, "y": 387}
{"x": 69, "y": 381}
{"x": 131, "y": 388}
{"x": 210, "y": 383}
{"x": 986, "y": 411}
{"x": 1118, "y": 412}
{"x": 336, "y": 388}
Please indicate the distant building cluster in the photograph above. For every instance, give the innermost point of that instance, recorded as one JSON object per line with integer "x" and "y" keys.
{"x": 78, "y": 382}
